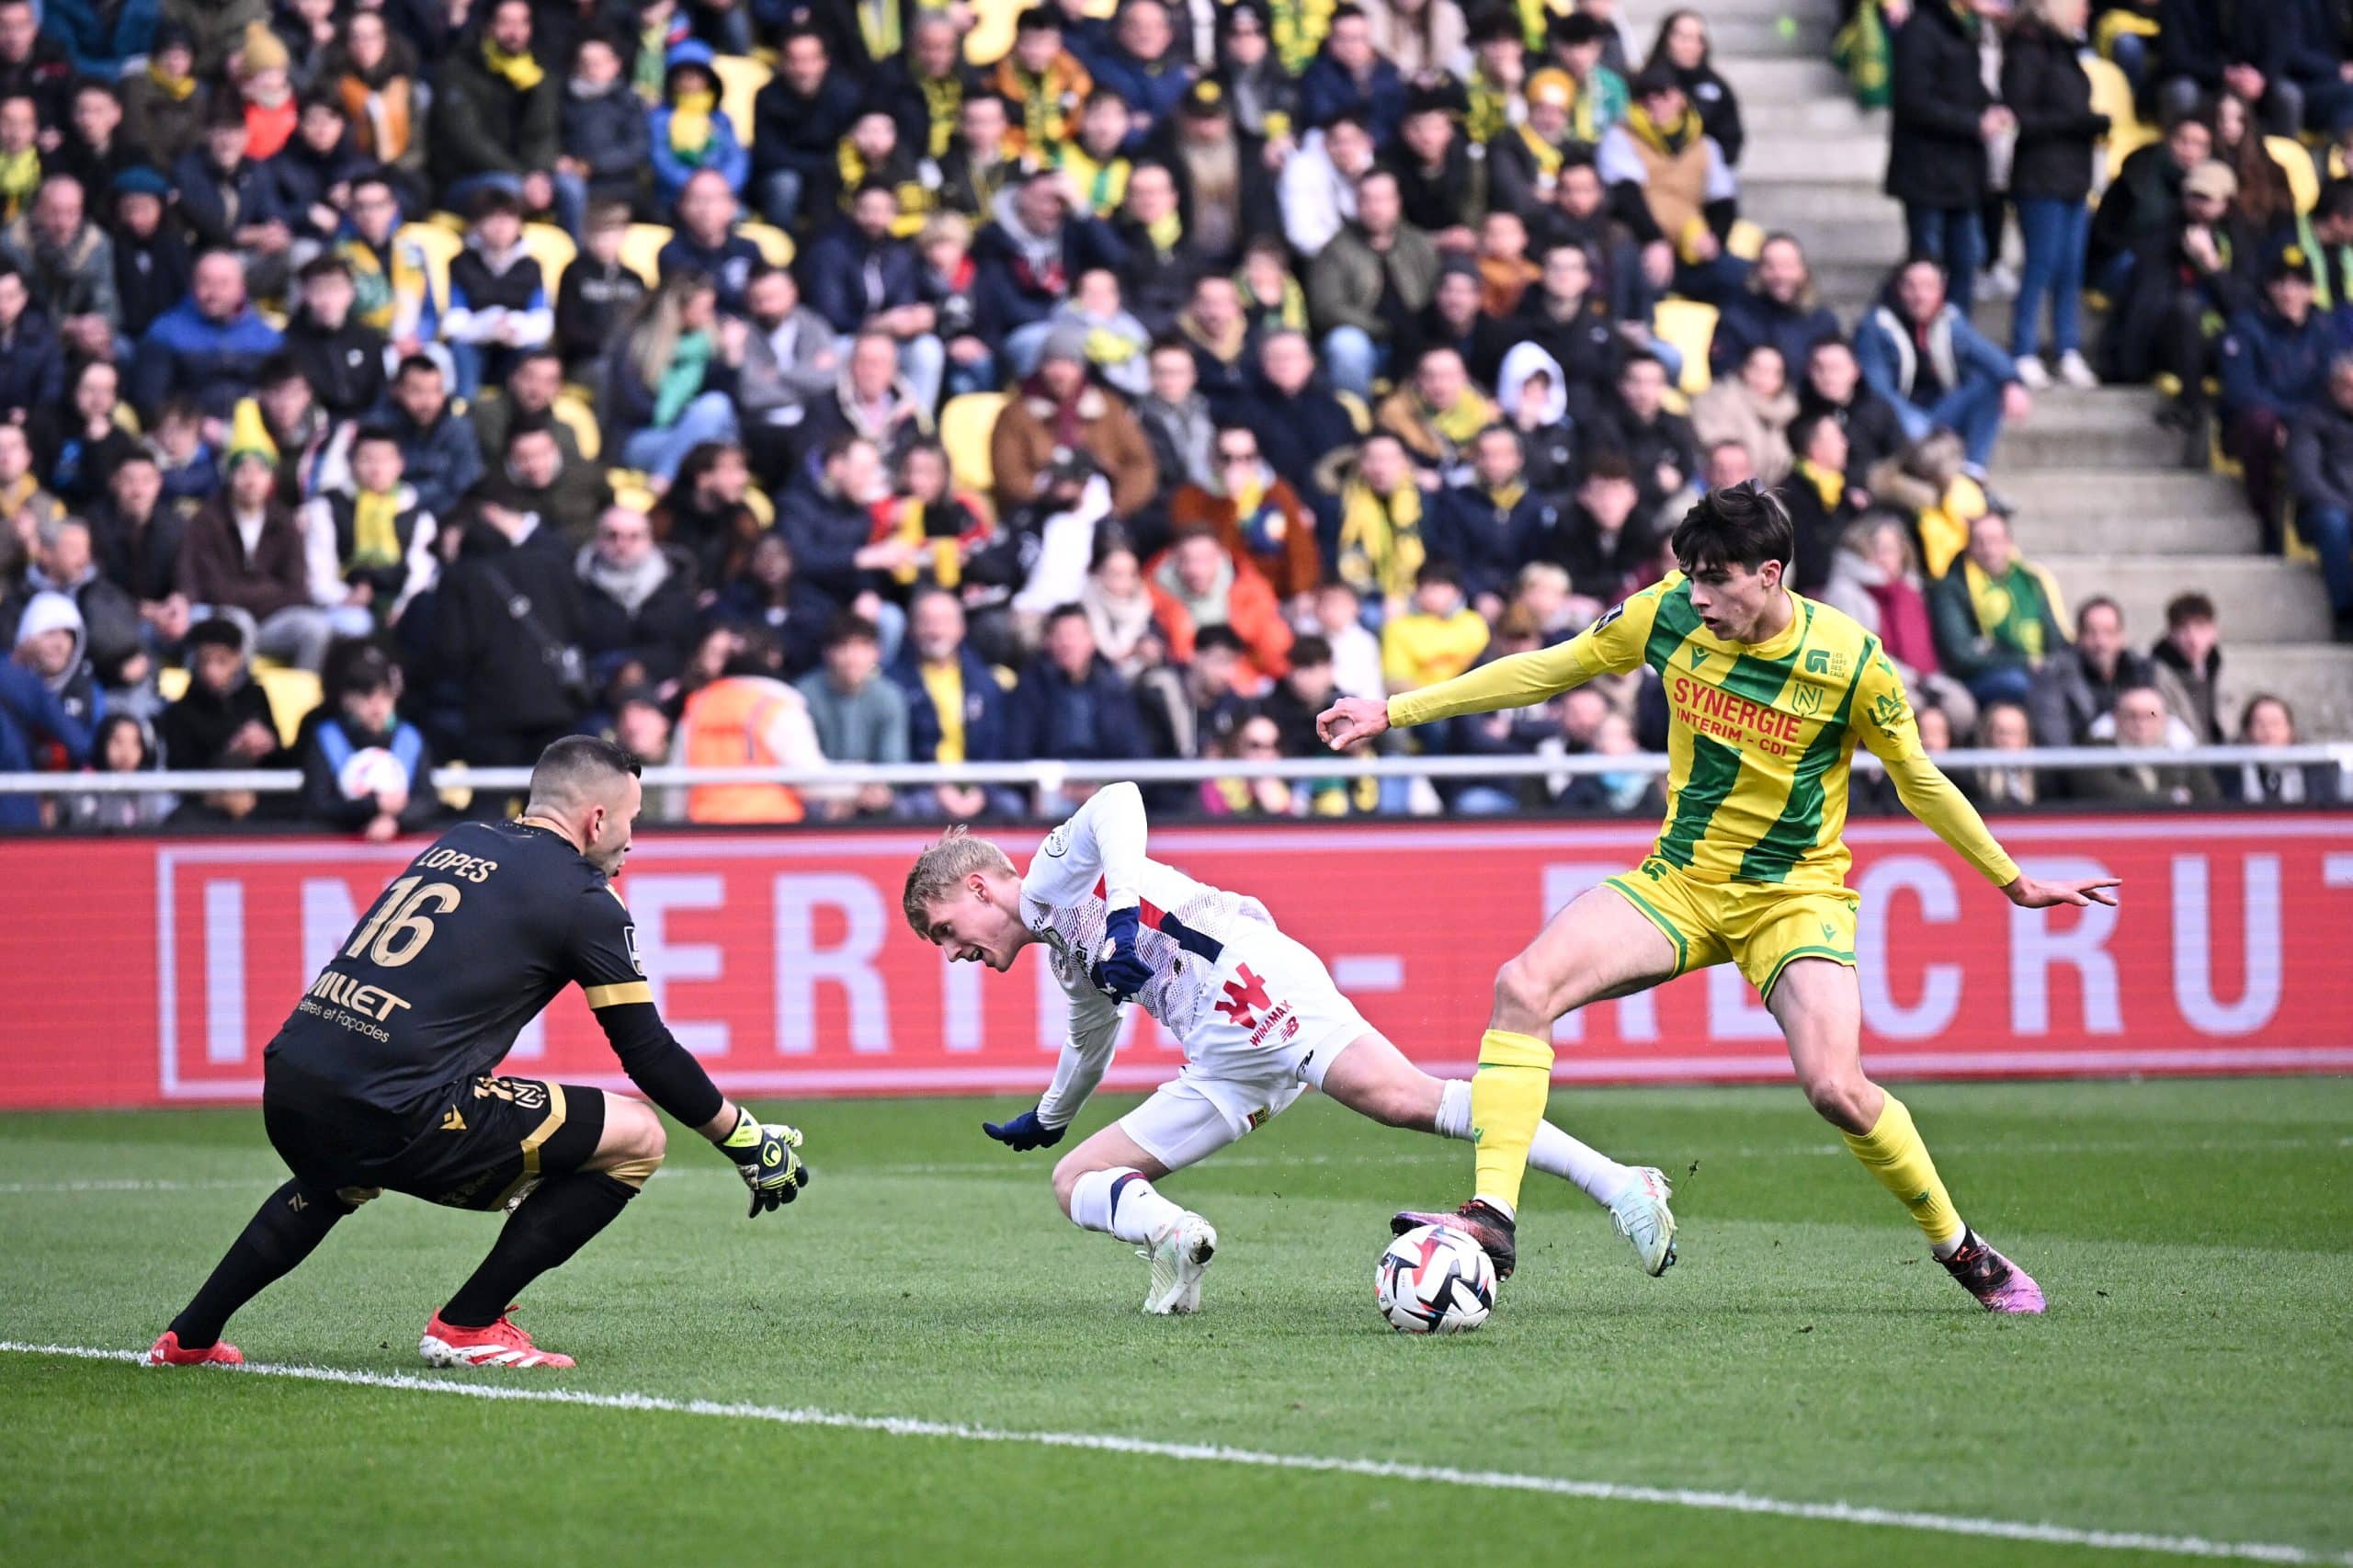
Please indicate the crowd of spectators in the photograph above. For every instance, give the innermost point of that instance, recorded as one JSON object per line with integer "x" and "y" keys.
{"x": 805, "y": 381}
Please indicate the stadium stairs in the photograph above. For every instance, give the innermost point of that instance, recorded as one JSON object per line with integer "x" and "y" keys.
{"x": 2101, "y": 499}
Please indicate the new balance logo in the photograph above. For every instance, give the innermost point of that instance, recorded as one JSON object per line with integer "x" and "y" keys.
{"x": 452, "y": 1121}
{"x": 1244, "y": 994}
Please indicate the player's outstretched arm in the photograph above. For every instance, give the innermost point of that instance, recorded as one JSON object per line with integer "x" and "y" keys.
{"x": 1093, "y": 1036}
{"x": 1888, "y": 728}
{"x": 603, "y": 962}
{"x": 1611, "y": 645}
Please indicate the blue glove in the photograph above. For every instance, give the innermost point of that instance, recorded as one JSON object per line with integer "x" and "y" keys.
{"x": 1024, "y": 1132}
{"x": 1120, "y": 974}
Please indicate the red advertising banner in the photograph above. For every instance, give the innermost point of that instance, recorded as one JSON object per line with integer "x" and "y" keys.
{"x": 146, "y": 972}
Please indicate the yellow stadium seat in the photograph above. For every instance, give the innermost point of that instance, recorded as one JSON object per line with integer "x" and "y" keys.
{"x": 1689, "y": 328}
{"x": 756, "y": 502}
{"x": 439, "y": 246}
{"x": 171, "y": 684}
{"x": 292, "y": 694}
{"x": 2303, "y": 180}
{"x": 642, "y": 249}
{"x": 993, "y": 23}
{"x": 776, "y": 246}
{"x": 552, "y": 249}
{"x": 966, "y": 424}
{"x": 442, "y": 218}
{"x": 740, "y": 81}
{"x": 2112, "y": 95}
{"x": 580, "y": 417}
{"x": 631, "y": 489}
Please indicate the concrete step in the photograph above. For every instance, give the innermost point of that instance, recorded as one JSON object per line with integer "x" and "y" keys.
{"x": 1811, "y": 119}
{"x": 1778, "y": 79}
{"x": 1816, "y": 160}
{"x": 1735, "y": 39}
{"x": 2100, "y": 494}
{"x": 2040, "y": 446}
{"x": 1836, "y": 185}
{"x": 1854, "y": 249}
{"x": 2259, "y": 598}
{"x": 2041, "y": 534}
{"x": 2316, "y": 680}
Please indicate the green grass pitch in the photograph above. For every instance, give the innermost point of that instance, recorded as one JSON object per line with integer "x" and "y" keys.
{"x": 2194, "y": 1379}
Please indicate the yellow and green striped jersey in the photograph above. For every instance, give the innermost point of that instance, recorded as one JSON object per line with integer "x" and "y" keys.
{"x": 1761, "y": 737}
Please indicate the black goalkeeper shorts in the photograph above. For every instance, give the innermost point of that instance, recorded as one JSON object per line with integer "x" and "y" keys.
{"x": 482, "y": 1144}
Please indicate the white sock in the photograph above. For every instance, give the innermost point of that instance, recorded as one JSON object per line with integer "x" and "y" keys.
{"x": 1553, "y": 1151}
{"x": 1944, "y": 1249}
{"x": 1120, "y": 1202}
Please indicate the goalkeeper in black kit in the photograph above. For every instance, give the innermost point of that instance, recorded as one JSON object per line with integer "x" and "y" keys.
{"x": 385, "y": 1078}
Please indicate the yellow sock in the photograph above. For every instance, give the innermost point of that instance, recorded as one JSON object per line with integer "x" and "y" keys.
{"x": 1507, "y": 1095}
{"x": 1893, "y": 1152}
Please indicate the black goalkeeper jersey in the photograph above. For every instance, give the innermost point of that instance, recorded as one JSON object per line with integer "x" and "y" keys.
{"x": 466, "y": 947}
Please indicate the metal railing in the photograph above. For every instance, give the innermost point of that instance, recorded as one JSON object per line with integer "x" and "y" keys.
{"x": 1053, "y": 775}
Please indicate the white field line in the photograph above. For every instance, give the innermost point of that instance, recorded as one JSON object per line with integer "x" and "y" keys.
{"x": 1011, "y": 1165}
{"x": 1213, "y": 1453}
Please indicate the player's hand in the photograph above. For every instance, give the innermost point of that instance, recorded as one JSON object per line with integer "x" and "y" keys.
{"x": 1024, "y": 1132}
{"x": 2028, "y": 893}
{"x": 1121, "y": 972}
{"x": 765, "y": 1157}
{"x": 1350, "y": 720}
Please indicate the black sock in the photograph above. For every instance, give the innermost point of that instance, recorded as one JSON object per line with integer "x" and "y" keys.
{"x": 549, "y": 1227}
{"x": 282, "y": 1233}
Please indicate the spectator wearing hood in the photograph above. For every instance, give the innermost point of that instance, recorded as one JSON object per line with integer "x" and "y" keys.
{"x": 1534, "y": 406}
{"x": 38, "y": 726}
{"x": 123, "y": 742}
{"x": 1917, "y": 350}
{"x": 689, "y": 132}
{"x": 53, "y": 642}
{"x": 365, "y": 768}
{"x": 637, "y": 598}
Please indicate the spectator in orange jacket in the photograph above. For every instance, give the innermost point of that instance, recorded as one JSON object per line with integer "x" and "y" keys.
{"x": 1255, "y": 513}
{"x": 1194, "y": 584}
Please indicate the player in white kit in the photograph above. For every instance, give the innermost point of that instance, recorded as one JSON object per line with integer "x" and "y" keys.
{"x": 1257, "y": 1014}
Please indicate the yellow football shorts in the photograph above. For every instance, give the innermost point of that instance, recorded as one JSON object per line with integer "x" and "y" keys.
{"x": 1761, "y": 927}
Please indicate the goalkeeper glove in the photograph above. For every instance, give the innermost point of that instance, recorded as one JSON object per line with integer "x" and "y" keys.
{"x": 1121, "y": 972}
{"x": 764, "y": 1156}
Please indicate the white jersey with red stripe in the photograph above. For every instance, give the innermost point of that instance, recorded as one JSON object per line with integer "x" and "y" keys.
{"x": 1256, "y": 1012}
{"x": 1095, "y": 862}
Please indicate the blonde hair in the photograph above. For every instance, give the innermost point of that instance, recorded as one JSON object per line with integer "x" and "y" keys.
{"x": 942, "y": 867}
{"x": 945, "y": 226}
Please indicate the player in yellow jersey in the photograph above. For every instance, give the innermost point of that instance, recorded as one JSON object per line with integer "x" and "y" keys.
{"x": 1769, "y": 692}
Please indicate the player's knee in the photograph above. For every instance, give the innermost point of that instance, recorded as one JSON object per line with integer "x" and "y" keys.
{"x": 1523, "y": 991}
{"x": 1067, "y": 1171}
{"x": 1840, "y": 1098}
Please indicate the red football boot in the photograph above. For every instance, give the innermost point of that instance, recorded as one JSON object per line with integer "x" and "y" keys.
{"x": 500, "y": 1345}
{"x": 166, "y": 1352}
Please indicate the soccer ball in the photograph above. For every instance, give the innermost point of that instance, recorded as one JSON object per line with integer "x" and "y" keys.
{"x": 371, "y": 770}
{"x": 1434, "y": 1280}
